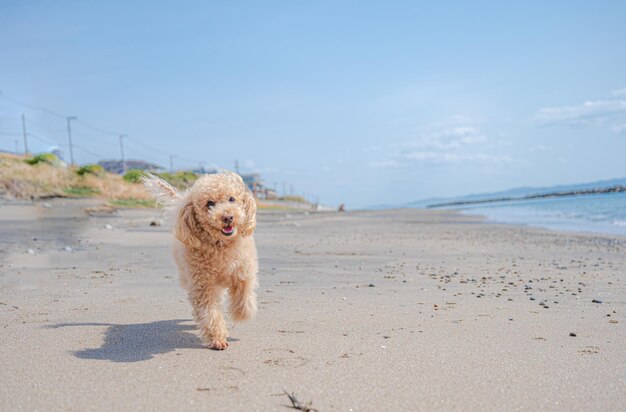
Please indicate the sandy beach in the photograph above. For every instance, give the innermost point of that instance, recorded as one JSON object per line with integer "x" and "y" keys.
{"x": 362, "y": 311}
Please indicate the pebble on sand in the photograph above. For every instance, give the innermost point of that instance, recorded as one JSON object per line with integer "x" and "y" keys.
{"x": 572, "y": 334}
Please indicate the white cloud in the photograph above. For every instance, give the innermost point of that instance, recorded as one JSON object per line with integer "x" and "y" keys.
{"x": 450, "y": 144}
{"x": 386, "y": 164}
{"x": 619, "y": 128}
{"x": 539, "y": 148}
{"x": 454, "y": 137}
{"x": 610, "y": 113}
{"x": 619, "y": 92}
{"x": 441, "y": 158}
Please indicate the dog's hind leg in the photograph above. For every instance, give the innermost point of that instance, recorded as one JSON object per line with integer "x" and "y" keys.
{"x": 207, "y": 311}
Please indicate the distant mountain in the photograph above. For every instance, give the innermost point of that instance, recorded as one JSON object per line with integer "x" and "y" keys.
{"x": 517, "y": 192}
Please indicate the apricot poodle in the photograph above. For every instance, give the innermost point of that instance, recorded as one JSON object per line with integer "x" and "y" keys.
{"x": 214, "y": 248}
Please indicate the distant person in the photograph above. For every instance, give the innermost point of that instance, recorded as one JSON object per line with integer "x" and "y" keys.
{"x": 341, "y": 208}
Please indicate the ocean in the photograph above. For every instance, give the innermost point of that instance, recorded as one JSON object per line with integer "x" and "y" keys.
{"x": 604, "y": 213}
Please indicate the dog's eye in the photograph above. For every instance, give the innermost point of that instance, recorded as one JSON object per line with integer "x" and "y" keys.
{"x": 210, "y": 204}
{"x": 232, "y": 199}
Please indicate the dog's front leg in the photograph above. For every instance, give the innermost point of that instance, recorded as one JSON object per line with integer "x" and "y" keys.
{"x": 243, "y": 299}
{"x": 207, "y": 309}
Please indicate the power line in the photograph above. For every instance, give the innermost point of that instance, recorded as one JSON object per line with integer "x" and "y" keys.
{"x": 8, "y": 109}
{"x": 146, "y": 157}
{"x": 96, "y": 155}
{"x": 185, "y": 159}
{"x": 102, "y": 145}
{"x": 43, "y": 140}
{"x": 45, "y": 127}
{"x": 161, "y": 152}
{"x": 31, "y": 134}
{"x": 41, "y": 109}
{"x": 96, "y": 129}
{"x": 90, "y": 127}
{"x": 169, "y": 155}
{"x": 134, "y": 146}
{"x": 149, "y": 147}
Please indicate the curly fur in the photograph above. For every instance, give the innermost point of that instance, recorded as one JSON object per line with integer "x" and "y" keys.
{"x": 209, "y": 260}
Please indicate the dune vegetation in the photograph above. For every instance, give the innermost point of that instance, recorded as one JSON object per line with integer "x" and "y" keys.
{"x": 46, "y": 176}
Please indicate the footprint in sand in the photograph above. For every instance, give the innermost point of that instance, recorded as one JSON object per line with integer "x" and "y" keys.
{"x": 287, "y": 360}
{"x": 589, "y": 350}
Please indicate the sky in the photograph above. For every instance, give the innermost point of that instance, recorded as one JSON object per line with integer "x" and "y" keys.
{"x": 356, "y": 102}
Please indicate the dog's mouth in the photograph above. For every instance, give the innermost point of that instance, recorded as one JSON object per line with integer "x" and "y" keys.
{"x": 228, "y": 230}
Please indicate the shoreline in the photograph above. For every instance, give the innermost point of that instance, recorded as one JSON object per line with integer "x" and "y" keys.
{"x": 289, "y": 208}
{"x": 99, "y": 204}
{"x": 565, "y": 231}
{"x": 486, "y": 220}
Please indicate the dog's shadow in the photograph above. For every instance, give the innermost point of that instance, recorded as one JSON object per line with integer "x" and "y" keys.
{"x": 139, "y": 341}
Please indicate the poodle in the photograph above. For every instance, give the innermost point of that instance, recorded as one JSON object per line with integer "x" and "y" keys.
{"x": 214, "y": 248}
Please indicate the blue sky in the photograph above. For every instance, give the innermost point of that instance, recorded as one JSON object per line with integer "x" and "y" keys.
{"x": 351, "y": 101}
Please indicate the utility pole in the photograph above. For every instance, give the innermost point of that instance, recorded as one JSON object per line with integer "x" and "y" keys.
{"x": 17, "y": 146}
{"x": 69, "y": 135}
{"x": 122, "y": 136}
{"x": 237, "y": 166}
{"x": 24, "y": 134}
{"x": 172, "y": 163}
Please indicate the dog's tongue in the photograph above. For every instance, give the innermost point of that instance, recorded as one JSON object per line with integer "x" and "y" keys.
{"x": 227, "y": 229}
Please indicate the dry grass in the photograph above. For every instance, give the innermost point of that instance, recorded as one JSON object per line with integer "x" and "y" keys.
{"x": 23, "y": 181}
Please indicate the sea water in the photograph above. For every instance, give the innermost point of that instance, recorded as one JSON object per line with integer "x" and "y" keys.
{"x": 604, "y": 213}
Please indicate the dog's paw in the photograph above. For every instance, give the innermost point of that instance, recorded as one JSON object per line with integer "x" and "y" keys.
{"x": 218, "y": 344}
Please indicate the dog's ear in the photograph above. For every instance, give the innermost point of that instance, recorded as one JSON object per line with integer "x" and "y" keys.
{"x": 186, "y": 226}
{"x": 162, "y": 191}
{"x": 249, "y": 204}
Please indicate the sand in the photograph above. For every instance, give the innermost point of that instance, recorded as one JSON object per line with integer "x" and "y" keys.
{"x": 363, "y": 311}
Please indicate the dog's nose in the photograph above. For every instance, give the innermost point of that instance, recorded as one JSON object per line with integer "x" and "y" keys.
{"x": 227, "y": 220}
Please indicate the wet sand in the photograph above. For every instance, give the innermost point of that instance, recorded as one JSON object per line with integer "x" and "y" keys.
{"x": 370, "y": 311}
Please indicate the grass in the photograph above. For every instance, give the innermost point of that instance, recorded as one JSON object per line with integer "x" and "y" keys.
{"x": 83, "y": 191}
{"x": 90, "y": 169}
{"x": 275, "y": 208}
{"x": 180, "y": 180}
{"x": 46, "y": 177}
{"x": 133, "y": 176}
{"x": 133, "y": 203}
{"x": 21, "y": 180}
{"x": 48, "y": 158}
{"x": 298, "y": 199}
